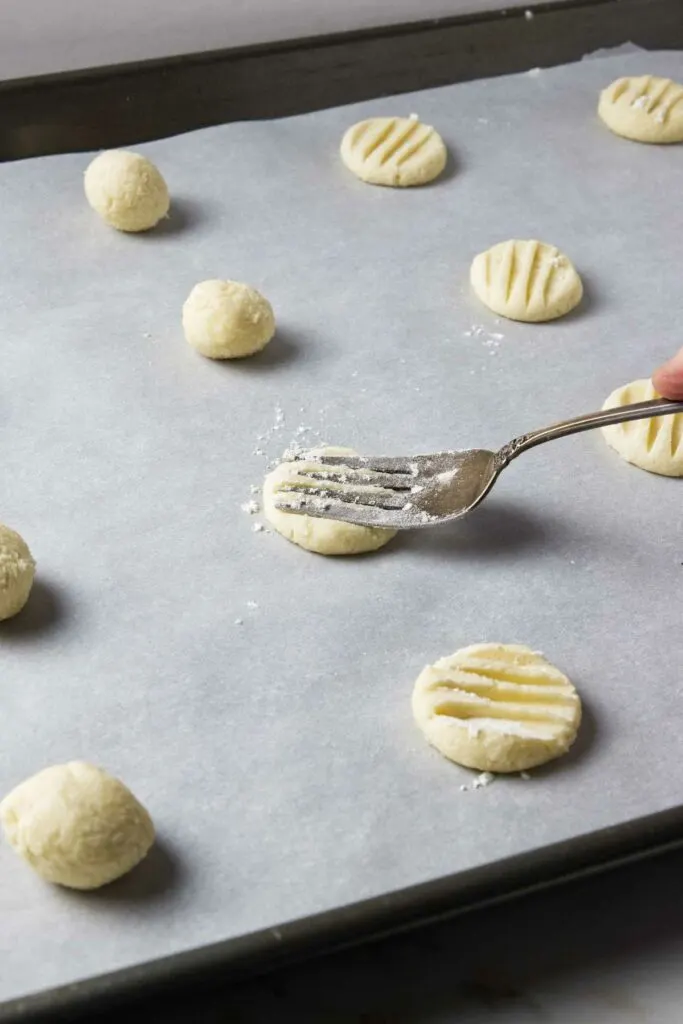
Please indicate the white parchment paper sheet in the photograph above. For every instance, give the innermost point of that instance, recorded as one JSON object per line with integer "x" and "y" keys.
{"x": 278, "y": 756}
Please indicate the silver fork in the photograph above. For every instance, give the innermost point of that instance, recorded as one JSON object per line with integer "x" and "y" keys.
{"x": 405, "y": 492}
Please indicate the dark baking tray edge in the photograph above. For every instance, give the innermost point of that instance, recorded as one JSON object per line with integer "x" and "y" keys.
{"x": 209, "y": 967}
{"x": 115, "y": 106}
{"x": 107, "y": 107}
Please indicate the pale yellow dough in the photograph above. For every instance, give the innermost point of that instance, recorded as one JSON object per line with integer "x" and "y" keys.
{"x": 227, "y": 320}
{"x": 76, "y": 825}
{"x": 17, "y": 570}
{"x": 497, "y": 708}
{"x": 323, "y": 536}
{"x": 645, "y": 109}
{"x": 526, "y": 280}
{"x": 654, "y": 444}
{"x": 398, "y": 151}
{"x": 127, "y": 190}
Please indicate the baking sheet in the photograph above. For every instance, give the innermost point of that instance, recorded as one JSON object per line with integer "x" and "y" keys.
{"x": 257, "y": 697}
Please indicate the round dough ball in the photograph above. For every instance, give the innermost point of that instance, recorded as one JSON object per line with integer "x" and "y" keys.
{"x": 227, "y": 320}
{"x": 17, "y": 570}
{"x": 398, "y": 151}
{"x": 323, "y": 536}
{"x": 645, "y": 109}
{"x": 126, "y": 190}
{"x": 497, "y": 708}
{"x": 76, "y": 826}
{"x": 655, "y": 444}
{"x": 526, "y": 280}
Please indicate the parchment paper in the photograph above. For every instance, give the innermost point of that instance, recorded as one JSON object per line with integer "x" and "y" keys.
{"x": 277, "y": 753}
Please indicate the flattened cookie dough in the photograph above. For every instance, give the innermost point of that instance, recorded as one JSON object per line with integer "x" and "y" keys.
{"x": 655, "y": 444}
{"x": 227, "y": 320}
{"x": 497, "y": 708}
{"x": 76, "y": 825}
{"x": 645, "y": 109}
{"x": 17, "y": 570}
{"x": 322, "y": 536}
{"x": 127, "y": 190}
{"x": 526, "y": 280}
{"x": 397, "y": 151}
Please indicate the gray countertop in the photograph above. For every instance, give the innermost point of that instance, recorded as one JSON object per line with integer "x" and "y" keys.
{"x": 38, "y": 37}
{"x": 603, "y": 950}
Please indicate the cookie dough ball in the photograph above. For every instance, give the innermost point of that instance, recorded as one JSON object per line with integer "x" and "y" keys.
{"x": 17, "y": 570}
{"x": 76, "y": 826}
{"x": 398, "y": 151}
{"x": 526, "y": 280}
{"x": 646, "y": 109}
{"x": 227, "y": 320}
{"x": 655, "y": 444}
{"x": 497, "y": 708}
{"x": 126, "y": 190}
{"x": 323, "y": 536}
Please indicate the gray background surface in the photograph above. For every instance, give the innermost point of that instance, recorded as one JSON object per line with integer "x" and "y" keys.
{"x": 41, "y": 36}
{"x": 278, "y": 757}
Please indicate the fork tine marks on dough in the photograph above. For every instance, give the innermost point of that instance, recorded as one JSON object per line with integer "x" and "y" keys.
{"x": 645, "y": 109}
{"x": 394, "y": 151}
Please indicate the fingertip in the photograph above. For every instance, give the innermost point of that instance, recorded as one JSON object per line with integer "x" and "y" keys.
{"x": 668, "y": 382}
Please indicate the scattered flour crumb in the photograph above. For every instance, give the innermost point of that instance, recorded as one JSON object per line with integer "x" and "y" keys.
{"x": 252, "y": 605}
{"x": 490, "y": 339}
{"x": 252, "y": 507}
{"x": 529, "y": 15}
{"x": 239, "y": 622}
{"x": 533, "y": 72}
{"x": 258, "y": 528}
{"x": 525, "y": 776}
{"x": 485, "y": 779}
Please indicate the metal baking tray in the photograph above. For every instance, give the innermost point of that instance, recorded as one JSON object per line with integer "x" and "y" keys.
{"x": 107, "y": 307}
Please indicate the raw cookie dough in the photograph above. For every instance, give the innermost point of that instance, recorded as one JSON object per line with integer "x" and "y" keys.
{"x": 17, "y": 570}
{"x": 528, "y": 281}
{"x": 323, "y": 536}
{"x": 654, "y": 444}
{"x": 126, "y": 190}
{"x": 645, "y": 109}
{"x": 497, "y": 708}
{"x": 227, "y": 320}
{"x": 397, "y": 151}
{"x": 76, "y": 826}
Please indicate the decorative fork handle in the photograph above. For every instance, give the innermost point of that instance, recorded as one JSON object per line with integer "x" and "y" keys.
{"x": 591, "y": 420}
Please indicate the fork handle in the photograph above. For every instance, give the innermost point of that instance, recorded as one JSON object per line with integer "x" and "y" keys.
{"x": 591, "y": 420}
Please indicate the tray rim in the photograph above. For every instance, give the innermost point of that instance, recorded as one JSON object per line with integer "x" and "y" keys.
{"x": 358, "y": 923}
{"x": 113, "y": 105}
